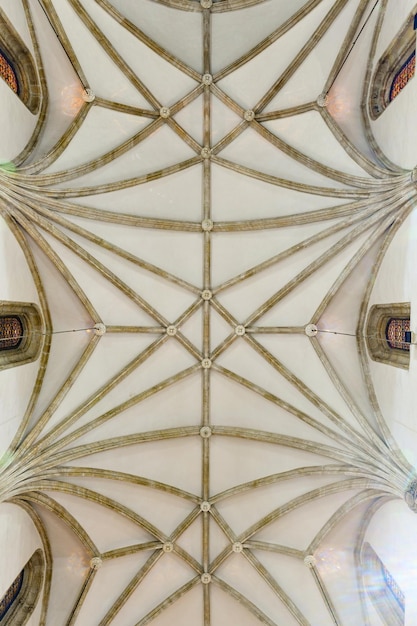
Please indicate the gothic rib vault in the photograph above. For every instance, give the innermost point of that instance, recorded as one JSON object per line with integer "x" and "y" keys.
{"x": 195, "y": 198}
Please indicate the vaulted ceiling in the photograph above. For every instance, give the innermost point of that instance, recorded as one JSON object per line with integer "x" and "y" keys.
{"x": 204, "y": 212}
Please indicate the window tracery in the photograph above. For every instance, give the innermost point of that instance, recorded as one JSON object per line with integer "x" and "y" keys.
{"x": 17, "y": 66}
{"x": 383, "y": 590}
{"x": 403, "y": 76}
{"x": 11, "y": 332}
{"x": 398, "y": 333}
{"x": 394, "y": 70}
{"x": 8, "y": 74}
{"x": 11, "y": 595}
{"x": 20, "y": 333}
{"x": 21, "y": 598}
{"x": 388, "y": 334}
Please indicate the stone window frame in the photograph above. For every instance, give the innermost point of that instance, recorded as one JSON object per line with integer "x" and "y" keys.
{"x": 18, "y": 55}
{"x": 28, "y": 596}
{"x": 390, "y": 64}
{"x": 29, "y": 348}
{"x": 382, "y": 589}
{"x": 376, "y": 340}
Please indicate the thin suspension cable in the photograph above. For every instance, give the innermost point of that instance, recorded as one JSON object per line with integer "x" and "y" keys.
{"x": 353, "y": 44}
{"x": 377, "y": 337}
{"x": 44, "y": 334}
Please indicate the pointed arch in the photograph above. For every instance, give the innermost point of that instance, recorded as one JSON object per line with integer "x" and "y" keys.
{"x": 388, "y": 335}
{"x": 20, "y": 333}
{"x": 17, "y": 66}
{"x": 394, "y": 70}
{"x": 21, "y": 598}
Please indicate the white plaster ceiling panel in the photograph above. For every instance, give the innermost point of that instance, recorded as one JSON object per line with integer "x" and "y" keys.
{"x": 104, "y": 76}
{"x": 154, "y": 199}
{"x": 253, "y": 248}
{"x": 310, "y": 135}
{"x": 166, "y": 83}
{"x": 346, "y": 94}
{"x": 235, "y": 197}
{"x": 161, "y": 149}
{"x": 257, "y": 153}
{"x": 188, "y": 430}
{"x": 102, "y": 131}
{"x": 183, "y": 37}
{"x": 255, "y": 412}
{"x": 149, "y": 246}
{"x": 189, "y": 118}
{"x": 310, "y": 74}
{"x": 247, "y": 84}
{"x": 265, "y": 14}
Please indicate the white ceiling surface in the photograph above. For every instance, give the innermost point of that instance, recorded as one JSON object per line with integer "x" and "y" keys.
{"x": 113, "y": 261}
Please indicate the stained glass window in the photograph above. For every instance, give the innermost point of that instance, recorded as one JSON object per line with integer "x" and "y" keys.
{"x": 383, "y": 589}
{"x": 402, "y": 77}
{"x": 11, "y": 332}
{"x": 393, "y": 587}
{"x": 11, "y": 595}
{"x": 8, "y": 74}
{"x": 398, "y": 333}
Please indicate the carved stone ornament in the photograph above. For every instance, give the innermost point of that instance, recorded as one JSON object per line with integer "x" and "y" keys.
{"x": 310, "y": 561}
{"x": 322, "y": 100}
{"x": 207, "y": 79}
{"x": 311, "y": 330}
{"x": 410, "y": 495}
{"x": 89, "y": 95}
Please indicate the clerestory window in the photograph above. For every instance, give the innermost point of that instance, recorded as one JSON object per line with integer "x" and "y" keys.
{"x": 20, "y": 333}
{"x": 388, "y": 334}
{"x": 21, "y": 598}
{"x": 11, "y": 596}
{"x": 398, "y": 333}
{"x": 395, "y": 69}
{"x": 17, "y": 66}
{"x": 11, "y": 332}
{"x": 8, "y": 74}
{"x": 383, "y": 590}
{"x": 403, "y": 76}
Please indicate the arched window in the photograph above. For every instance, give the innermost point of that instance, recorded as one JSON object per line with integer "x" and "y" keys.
{"x": 17, "y": 66}
{"x": 11, "y": 332}
{"x": 8, "y": 74}
{"x": 398, "y": 333}
{"x": 383, "y": 590}
{"x": 21, "y": 598}
{"x": 20, "y": 333}
{"x": 388, "y": 334}
{"x": 394, "y": 70}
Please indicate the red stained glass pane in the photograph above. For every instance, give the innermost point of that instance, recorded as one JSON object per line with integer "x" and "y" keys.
{"x": 402, "y": 77}
{"x": 396, "y": 333}
{"x": 11, "y": 332}
{"x": 8, "y": 73}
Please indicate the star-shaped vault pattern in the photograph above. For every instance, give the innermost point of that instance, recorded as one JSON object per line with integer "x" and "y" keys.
{"x": 192, "y": 231}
